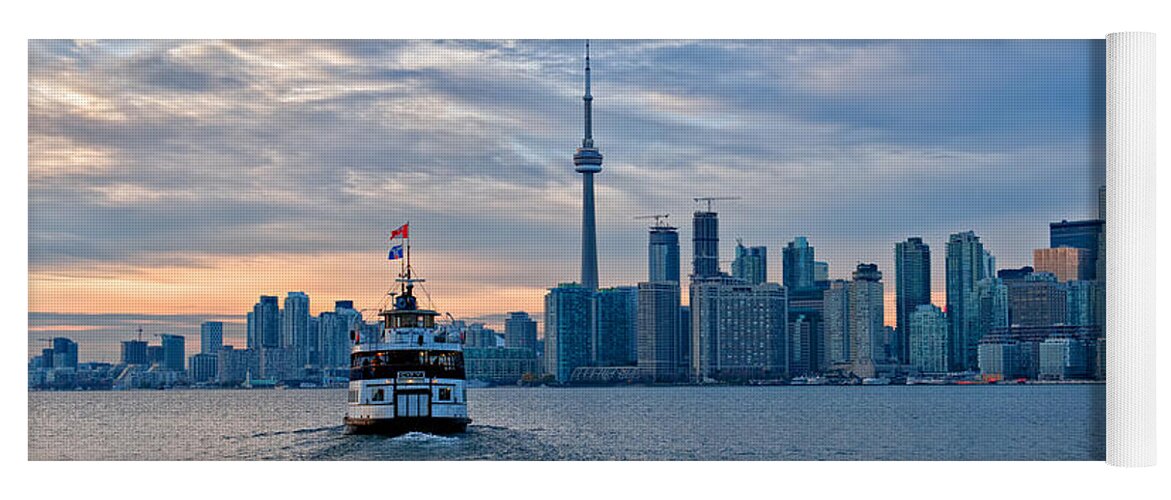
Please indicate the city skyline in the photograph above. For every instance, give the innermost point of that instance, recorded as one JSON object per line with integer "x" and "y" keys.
{"x": 836, "y": 173}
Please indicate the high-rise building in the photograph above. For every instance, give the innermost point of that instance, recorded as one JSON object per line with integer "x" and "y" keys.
{"x": 568, "y": 322}
{"x": 966, "y": 259}
{"x": 587, "y": 161}
{"x": 280, "y": 363}
{"x": 820, "y": 272}
{"x": 663, "y": 254}
{"x": 174, "y": 352}
{"x": 866, "y": 320}
{"x": 705, "y": 239}
{"x": 1037, "y": 300}
{"x": 807, "y": 346}
{"x": 211, "y": 337}
{"x": 265, "y": 323}
{"x": 203, "y": 367}
{"x": 751, "y": 263}
{"x": 234, "y": 366}
{"x": 802, "y": 336}
{"x": 659, "y": 332}
{"x": 520, "y": 331}
{"x": 1066, "y": 263}
{"x": 991, "y": 306}
{"x": 837, "y": 322}
{"x": 295, "y": 325}
{"x": 912, "y": 287}
{"x": 1084, "y": 234}
{"x": 479, "y": 335}
{"x": 798, "y": 267}
{"x": 64, "y": 353}
{"x": 684, "y": 355}
{"x": 615, "y": 331}
{"x": 738, "y": 330}
{"x": 134, "y": 352}
{"x": 335, "y": 330}
{"x": 927, "y": 336}
{"x": 1081, "y": 307}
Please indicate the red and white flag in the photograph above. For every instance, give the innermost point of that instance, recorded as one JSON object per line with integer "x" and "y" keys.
{"x": 402, "y": 231}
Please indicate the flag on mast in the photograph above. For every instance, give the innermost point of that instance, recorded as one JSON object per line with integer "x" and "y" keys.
{"x": 396, "y": 252}
{"x": 403, "y": 231}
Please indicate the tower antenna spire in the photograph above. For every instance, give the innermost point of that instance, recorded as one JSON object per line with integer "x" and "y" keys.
{"x": 588, "y": 140}
{"x": 587, "y": 160}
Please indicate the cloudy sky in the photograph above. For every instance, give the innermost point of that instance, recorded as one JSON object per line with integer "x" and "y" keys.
{"x": 172, "y": 182}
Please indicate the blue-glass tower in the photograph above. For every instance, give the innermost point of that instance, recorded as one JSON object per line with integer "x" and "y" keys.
{"x": 587, "y": 160}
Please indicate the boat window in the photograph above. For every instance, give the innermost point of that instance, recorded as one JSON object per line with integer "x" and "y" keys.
{"x": 379, "y": 395}
{"x": 386, "y": 364}
{"x": 444, "y": 394}
{"x": 411, "y": 321}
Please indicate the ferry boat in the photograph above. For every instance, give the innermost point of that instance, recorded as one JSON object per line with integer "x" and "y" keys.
{"x": 410, "y": 376}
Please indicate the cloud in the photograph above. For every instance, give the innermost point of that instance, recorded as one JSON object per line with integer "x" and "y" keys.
{"x": 181, "y": 156}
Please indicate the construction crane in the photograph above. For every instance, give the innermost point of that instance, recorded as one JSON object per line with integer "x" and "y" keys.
{"x": 710, "y": 199}
{"x": 659, "y": 218}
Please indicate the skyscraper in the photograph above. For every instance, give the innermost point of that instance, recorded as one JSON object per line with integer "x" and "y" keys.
{"x": 211, "y": 337}
{"x": 798, "y": 267}
{"x": 1066, "y": 263}
{"x": 866, "y": 320}
{"x": 64, "y": 353}
{"x": 658, "y": 331}
{"x": 820, "y": 272}
{"x": 965, "y": 266}
{"x": 134, "y": 352}
{"x": 739, "y": 331}
{"x": 615, "y": 330}
{"x": 587, "y": 161}
{"x": 927, "y": 332}
{"x": 266, "y": 323}
{"x": 1084, "y": 234}
{"x": 663, "y": 254}
{"x": 912, "y": 287}
{"x": 837, "y": 322}
{"x": 295, "y": 325}
{"x": 334, "y": 330}
{"x": 520, "y": 331}
{"x": 1037, "y": 300}
{"x": 751, "y": 263}
{"x": 705, "y": 239}
{"x": 174, "y": 352}
{"x": 568, "y": 322}
{"x": 1081, "y": 308}
{"x": 807, "y": 346}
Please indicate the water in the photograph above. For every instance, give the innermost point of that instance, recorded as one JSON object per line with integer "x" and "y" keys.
{"x": 1038, "y": 422}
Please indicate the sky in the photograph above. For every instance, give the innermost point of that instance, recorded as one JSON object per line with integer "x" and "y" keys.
{"x": 172, "y": 182}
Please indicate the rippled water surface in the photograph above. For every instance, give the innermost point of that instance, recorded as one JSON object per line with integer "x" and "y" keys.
{"x": 1055, "y": 422}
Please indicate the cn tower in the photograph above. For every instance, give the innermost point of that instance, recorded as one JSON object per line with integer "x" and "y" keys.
{"x": 588, "y": 161}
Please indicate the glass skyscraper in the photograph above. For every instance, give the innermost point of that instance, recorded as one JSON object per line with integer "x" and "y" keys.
{"x": 663, "y": 254}
{"x": 965, "y": 266}
{"x": 1084, "y": 234}
{"x": 751, "y": 264}
{"x": 211, "y": 337}
{"x": 912, "y": 288}
{"x": 705, "y": 238}
{"x": 568, "y": 311}
{"x": 798, "y": 268}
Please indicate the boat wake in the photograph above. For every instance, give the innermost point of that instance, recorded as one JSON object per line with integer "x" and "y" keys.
{"x": 423, "y": 437}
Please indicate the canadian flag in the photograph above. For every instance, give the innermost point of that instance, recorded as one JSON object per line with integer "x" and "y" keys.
{"x": 402, "y": 231}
